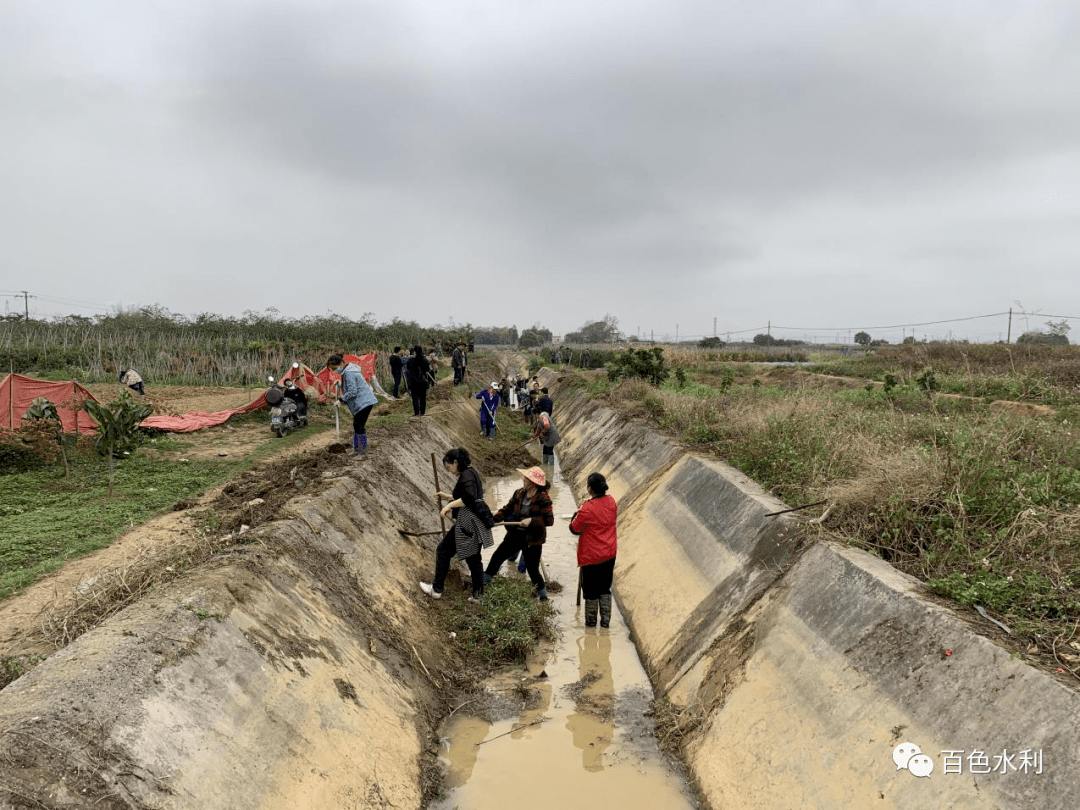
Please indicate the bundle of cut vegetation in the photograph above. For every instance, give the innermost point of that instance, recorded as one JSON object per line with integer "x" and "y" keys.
{"x": 981, "y": 503}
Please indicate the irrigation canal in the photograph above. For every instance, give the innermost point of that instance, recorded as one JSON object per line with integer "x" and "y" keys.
{"x": 586, "y": 741}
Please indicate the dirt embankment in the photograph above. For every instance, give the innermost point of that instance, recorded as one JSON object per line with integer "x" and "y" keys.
{"x": 233, "y": 653}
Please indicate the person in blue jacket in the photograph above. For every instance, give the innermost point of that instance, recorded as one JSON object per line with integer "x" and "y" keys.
{"x": 489, "y": 401}
{"x": 358, "y": 396}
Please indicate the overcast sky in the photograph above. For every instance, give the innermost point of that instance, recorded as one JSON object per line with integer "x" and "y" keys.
{"x": 820, "y": 165}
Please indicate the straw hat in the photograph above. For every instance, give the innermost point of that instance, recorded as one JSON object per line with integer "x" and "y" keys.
{"x": 534, "y": 474}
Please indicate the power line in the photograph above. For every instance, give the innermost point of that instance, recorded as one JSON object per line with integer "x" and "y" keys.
{"x": 896, "y": 325}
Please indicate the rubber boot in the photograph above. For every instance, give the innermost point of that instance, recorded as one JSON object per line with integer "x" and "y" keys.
{"x": 541, "y": 594}
{"x": 356, "y": 444}
{"x": 591, "y": 607}
{"x": 605, "y": 610}
{"x": 363, "y": 445}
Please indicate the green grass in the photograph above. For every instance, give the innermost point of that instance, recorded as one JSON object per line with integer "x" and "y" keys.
{"x": 46, "y": 519}
{"x": 505, "y": 628}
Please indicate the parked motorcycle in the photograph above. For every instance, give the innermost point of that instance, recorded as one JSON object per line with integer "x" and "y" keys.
{"x": 288, "y": 407}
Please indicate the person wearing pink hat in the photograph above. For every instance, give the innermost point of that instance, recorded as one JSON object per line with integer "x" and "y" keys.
{"x": 530, "y": 508}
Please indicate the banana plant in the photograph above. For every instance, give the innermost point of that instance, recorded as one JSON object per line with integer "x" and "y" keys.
{"x": 118, "y": 423}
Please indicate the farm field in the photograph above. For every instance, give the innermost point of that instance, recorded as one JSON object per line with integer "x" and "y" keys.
{"x": 918, "y": 462}
{"x": 61, "y": 531}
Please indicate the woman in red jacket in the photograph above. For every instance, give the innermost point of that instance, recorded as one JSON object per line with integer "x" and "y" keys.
{"x": 594, "y": 523}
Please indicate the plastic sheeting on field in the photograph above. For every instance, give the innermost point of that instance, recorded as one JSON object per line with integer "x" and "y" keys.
{"x": 323, "y": 382}
{"x": 196, "y": 420}
{"x": 18, "y": 392}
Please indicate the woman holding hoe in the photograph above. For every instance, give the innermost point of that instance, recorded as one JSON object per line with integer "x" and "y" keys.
{"x": 527, "y": 515}
{"x": 594, "y": 524}
{"x": 468, "y": 534}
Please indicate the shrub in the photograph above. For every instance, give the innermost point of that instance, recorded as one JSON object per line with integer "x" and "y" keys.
{"x": 641, "y": 364}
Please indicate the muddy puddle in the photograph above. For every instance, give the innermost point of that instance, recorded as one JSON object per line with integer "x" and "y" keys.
{"x": 580, "y": 737}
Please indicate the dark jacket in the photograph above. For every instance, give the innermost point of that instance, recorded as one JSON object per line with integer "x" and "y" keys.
{"x": 539, "y": 510}
{"x": 468, "y": 488}
{"x": 544, "y": 404}
{"x": 395, "y": 365}
{"x": 419, "y": 372}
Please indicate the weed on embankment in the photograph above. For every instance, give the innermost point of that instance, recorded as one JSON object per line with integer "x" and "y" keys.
{"x": 981, "y": 503}
{"x": 505, "y": 629}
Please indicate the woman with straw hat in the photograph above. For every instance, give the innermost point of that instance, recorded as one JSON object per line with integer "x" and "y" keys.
{"x": 529, "y": 510}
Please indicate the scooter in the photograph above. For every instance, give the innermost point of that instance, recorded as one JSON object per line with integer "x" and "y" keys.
{"x": 288, "y": 408}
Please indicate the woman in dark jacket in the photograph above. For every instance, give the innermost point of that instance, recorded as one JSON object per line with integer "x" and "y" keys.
{"x": 468, "y": 534}
{"x": 531, "y": 506}
{"x": 594, "y": 523}
{"x": 419, "y": 376}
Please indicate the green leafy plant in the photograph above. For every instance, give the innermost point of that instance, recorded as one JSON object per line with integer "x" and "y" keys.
{"x": 41, "y": 409}
{"x": 644, "y": 364}
{"x": 118, "y": 424}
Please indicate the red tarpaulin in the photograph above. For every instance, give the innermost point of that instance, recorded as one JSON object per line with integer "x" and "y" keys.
{"x": 17, "y": 392}
{"x": 328, "y": 379}
{"x": 305, "y": 378}
{"x": 196, "y": 420}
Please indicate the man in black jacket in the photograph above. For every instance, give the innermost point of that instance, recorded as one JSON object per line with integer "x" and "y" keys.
{"x": 397, "y": 364}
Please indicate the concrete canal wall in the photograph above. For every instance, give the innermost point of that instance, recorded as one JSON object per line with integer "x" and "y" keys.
{"x": 804, "y": 664}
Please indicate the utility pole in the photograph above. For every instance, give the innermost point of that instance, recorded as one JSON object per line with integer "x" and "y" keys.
{"x": 714, "y": 326}
{"x": 26, "y": 303}
{"x": 768, "y": 329}
{"x": 1008, "y": 337}
{"x": 676, "y": 334}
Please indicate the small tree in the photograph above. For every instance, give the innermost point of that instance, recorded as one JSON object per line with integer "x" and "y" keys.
{"x": 642, "y": 363}
{"x": 711, "y": 343}
{"x": 764, "y": 340}
{"x": 118, "y": 423}
{"x": 862, "y": 338}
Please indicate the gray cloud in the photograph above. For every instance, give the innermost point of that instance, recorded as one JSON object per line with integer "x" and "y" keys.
{"x": 665, "y": 162}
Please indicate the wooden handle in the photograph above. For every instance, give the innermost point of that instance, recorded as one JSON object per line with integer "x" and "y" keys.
{"x": 438, "y": 503}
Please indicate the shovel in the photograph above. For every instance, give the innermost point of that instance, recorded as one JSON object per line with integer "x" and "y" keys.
{"x": 337, "y": 419}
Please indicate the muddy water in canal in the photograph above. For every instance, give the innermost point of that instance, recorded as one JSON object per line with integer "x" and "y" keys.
{"x": 581, "y": 738}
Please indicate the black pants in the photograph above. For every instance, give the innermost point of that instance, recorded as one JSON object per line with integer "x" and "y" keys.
{"x": 359, "y": 420}
{"x": 397, "y": 380}
{"x": 138, "y": 388}
{"x": 459, "y": 373}
{"x": 419, "y": 398}
{"x": 444, "y": 553}
{"x": 596, "y": 578}
{"x": 509, "y": 548}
